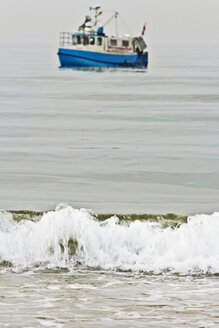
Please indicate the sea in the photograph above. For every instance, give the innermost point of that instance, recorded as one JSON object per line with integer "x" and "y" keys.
{"x": 109, "y": 190}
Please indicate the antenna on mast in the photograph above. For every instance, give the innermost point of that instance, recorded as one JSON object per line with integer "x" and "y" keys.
{"x": 96, "y": 9}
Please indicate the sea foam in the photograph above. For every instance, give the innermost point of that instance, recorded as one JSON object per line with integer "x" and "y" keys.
{"x": 68, "y": 238}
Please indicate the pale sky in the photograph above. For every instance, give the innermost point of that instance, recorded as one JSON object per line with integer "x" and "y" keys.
{"x": 168, "y": 21}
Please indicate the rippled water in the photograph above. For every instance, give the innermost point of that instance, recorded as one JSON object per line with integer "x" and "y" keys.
{"x": 113, "y": 141}
{"x": 100, "y": 299}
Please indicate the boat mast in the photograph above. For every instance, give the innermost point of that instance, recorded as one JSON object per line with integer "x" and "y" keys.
{"x": 116, "y": 22}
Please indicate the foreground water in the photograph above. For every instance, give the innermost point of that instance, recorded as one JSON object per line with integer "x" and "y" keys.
{"x": 114, "y": 141}
{"x": 100, "y": 299}
{"x": 72, "y": 268}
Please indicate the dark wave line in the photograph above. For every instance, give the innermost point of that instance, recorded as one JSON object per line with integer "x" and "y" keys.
{"x": 167, "y": 220}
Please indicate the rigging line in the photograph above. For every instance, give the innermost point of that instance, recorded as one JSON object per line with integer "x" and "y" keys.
{"x": 124, "y": 23}
{"x": 109, "y": 20}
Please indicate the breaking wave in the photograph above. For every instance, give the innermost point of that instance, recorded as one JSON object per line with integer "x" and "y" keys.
{"x": 68, "y": 238}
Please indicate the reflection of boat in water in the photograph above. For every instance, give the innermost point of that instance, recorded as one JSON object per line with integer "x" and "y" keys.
{"x": 91, "y": 47}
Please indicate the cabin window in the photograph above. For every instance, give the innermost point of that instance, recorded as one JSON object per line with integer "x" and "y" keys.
{"x": 125, "y": 43}
{"x": 78, "y": 39}
{"x": 99, "y": 41}
{"x": 91, "y": 40}
{"x": 85, "y": 40}
{"x": 74, "y": 40}
{"x": 113, "y": 42}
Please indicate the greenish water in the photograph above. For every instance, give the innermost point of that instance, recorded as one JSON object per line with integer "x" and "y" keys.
{"x": 167, "y": 220}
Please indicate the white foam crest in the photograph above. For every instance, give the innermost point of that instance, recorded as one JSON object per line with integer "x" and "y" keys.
{"x": 146, "y": 246}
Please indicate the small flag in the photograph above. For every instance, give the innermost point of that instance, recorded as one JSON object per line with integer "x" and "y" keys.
{"x": 100, "y": 13}
{"x": 143, "y": 30}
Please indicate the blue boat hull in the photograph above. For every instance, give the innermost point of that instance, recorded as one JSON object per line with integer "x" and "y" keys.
{"x": 81, "y": 58}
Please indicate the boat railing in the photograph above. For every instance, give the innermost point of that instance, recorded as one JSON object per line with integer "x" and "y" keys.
{"x": 65, "y": 38}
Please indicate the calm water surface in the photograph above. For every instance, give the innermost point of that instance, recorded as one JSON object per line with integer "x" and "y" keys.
{"x": 116, "y": 141}
{"x": 113, "y": 141}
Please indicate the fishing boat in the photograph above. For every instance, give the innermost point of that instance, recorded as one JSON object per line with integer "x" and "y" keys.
{"x": 91, "y": 47}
